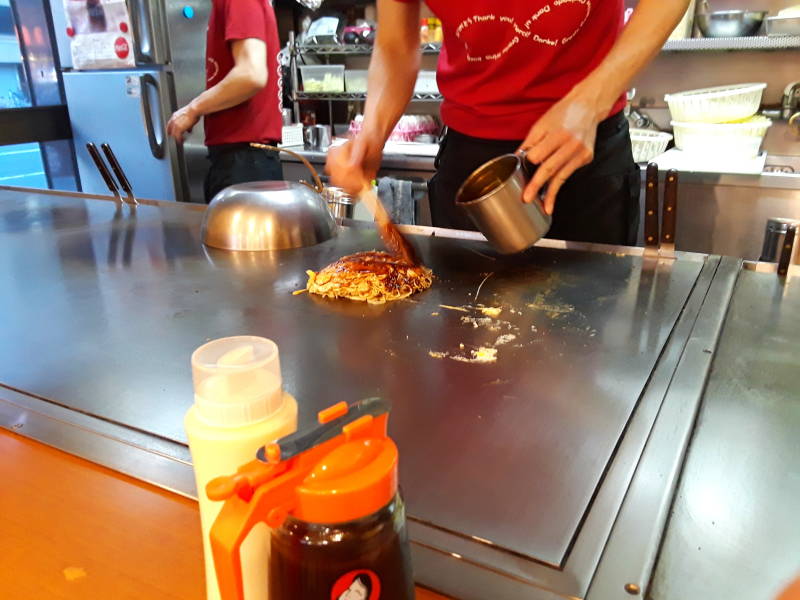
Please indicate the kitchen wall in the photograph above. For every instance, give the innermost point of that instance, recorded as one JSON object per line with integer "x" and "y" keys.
{"x": 676, "y": 71}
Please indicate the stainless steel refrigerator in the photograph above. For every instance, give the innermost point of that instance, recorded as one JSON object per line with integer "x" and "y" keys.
{"x": 129, "y": 108}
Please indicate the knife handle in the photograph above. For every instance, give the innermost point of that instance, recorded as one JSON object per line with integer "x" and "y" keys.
{"x": 118, "y": 171}
{"x": 651, "y": 206}
{"x": 669, "y": 211}
{"x": 786, "y": 251}
{"x": 102, "y": 169}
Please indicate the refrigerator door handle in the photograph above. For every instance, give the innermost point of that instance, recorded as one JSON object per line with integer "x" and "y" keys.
{"x": 180, "y": 173}
{"x": 142, "y": 30}
{"x": 157, "y": 147}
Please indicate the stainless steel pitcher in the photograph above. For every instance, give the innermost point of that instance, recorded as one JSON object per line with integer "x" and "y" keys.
{"x": 492, "y": 197}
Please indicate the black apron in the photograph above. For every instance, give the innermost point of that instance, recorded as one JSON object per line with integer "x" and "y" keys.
{"x": 599, "y": 202}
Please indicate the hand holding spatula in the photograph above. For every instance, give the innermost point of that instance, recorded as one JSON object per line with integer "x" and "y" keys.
{"x": 395, "y": 241}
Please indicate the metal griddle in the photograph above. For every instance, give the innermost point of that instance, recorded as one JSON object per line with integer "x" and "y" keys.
{"x": 109, "y": 302}
{"x": 108, "y": 330}
{"x": 734, "y": 529}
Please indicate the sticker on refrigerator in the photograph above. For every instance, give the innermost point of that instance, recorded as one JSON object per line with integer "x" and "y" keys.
{"x": 357, "y": 585}
{"x": 133, "y": 86}
{"x": 99, "y": 34}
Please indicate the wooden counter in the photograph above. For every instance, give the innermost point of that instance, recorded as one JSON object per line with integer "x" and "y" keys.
{"x": 70, "y": 529}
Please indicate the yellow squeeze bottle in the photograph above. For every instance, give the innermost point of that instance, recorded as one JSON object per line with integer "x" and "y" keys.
{"x": 239, "y": 406}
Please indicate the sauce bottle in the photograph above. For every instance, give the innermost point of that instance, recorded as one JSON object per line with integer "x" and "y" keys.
{"x": 330, "y": 494}
{"x": 239, "y": 404}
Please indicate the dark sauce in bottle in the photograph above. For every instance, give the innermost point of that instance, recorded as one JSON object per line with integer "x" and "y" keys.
{"x": 312, "y": 561}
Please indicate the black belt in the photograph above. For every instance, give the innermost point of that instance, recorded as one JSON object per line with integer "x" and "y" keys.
{"x": 605, "y": 128}
{"x": 220, "y": 149}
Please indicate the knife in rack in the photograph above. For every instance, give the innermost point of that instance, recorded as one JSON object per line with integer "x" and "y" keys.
{"x": 101, "y": 167}
{"x": 669, "y": 211}
{"x": 786, "y": 251}
{"x": 119, "y": 172}
{"x": 651, "y": 235}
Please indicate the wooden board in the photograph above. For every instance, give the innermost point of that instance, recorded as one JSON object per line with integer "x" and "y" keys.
{"x": 72, "y": 530}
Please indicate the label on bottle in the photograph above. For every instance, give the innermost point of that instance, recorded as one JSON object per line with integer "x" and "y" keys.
{"x": 361, "y": 584}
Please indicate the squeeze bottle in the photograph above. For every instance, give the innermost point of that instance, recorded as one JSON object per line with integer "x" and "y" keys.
{"x": 239, "y": 405}
{"x": 330, "y": 494}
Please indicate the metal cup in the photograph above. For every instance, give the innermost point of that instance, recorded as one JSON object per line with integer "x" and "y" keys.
{"x": 492, "y": 197}
{"x": 310, "y": 136}
{"x": 322, "y": 139}
{"x": 774, "y": 237}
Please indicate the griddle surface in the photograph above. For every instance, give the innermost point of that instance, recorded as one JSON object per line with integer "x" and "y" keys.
{"x": 103, "y": 309}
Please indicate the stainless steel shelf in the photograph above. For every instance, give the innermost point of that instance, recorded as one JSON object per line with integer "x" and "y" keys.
{"x": 359, "y": 96}
{"x": 733, "y": 43}
{"x": 690, "y": 45}
{"x": 432, "y": 48}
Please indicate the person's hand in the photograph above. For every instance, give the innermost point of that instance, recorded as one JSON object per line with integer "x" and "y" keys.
{"x": 560, "y": 142}
{"x": 181, "y": 122}
{"x": 354, "y": 162}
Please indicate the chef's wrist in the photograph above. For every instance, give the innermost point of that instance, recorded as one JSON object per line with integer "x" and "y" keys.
{"x": 194, "y": 109}
{"x": 373, "y": 139}
{"x": 599, "y": 93}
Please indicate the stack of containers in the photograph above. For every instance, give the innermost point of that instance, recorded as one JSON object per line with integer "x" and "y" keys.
{"x": 719, "y": 121}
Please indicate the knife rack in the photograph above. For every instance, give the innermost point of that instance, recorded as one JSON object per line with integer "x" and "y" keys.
{"x": 659, "y": 234}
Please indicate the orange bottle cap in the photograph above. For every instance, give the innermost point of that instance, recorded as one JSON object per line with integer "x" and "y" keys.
{"x": 355, "y": 480}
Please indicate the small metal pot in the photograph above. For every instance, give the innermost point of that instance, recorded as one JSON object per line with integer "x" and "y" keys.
{"x": 340, "y": 204}
{"x": 492, "y": 197}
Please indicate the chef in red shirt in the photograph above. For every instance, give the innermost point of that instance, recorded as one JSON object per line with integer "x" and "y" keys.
{"x": 547, "y": 76}
{"x": 242, "y": 101}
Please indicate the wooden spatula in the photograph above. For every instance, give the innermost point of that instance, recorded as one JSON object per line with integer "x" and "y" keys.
{"x": 395, "y": 241}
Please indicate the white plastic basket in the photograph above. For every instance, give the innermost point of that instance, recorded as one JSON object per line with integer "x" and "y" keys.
{"x": 648, "y": 144}
{"x": 717, "y": 104}
{"x": 292, "y": 135}
{"x": 740, "y": 140}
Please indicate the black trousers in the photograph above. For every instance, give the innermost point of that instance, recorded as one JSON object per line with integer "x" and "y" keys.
{"x": 599, "y": 203}
{"x": 239, "y": 163}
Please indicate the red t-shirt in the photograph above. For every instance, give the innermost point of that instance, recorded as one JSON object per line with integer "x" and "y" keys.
{"x": 504, "y": 64}
{"x": 258, "y": 119}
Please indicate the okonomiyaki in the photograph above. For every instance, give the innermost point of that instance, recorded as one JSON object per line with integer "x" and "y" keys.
{"x": 374, "y": 277}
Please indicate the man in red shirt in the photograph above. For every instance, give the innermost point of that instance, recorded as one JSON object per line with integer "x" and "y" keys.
{"x": 547, "y": 76}
{"x": 242, "y": 101}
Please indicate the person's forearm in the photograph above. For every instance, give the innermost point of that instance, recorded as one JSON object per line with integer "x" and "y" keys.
{"x": 393, "y": 68}
{"x": 238, "y": 86}
{"x": 640, "y": 41}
